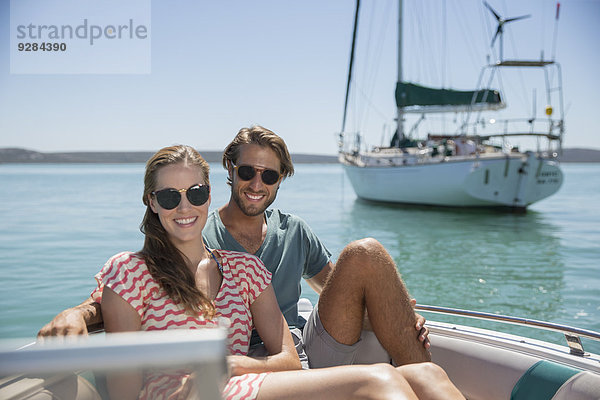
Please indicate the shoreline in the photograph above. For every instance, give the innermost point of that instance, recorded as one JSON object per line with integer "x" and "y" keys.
{"x": 25, "y": 156}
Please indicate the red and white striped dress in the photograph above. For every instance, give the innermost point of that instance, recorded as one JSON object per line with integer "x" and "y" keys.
{"x": 244, "y": 278}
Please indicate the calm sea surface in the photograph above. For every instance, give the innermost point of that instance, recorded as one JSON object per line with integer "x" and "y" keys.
{"x": 60, "y": 223}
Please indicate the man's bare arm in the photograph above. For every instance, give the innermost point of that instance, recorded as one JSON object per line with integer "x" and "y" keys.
{"x": 74, "y": 321}
{"x": 318, "y": 281}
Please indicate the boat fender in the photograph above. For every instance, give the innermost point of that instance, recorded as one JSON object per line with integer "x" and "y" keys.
{"x": 542, "y": 380}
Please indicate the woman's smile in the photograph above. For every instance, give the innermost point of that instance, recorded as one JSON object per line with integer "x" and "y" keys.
{"x": 185, "y": 221}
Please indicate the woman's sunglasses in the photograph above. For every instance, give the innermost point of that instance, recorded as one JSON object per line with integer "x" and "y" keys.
{"x": 170, "y": 198}
{"x": 247, "y": 172}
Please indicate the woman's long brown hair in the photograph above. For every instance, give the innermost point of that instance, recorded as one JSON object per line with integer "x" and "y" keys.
{"x": 165, "y": 262}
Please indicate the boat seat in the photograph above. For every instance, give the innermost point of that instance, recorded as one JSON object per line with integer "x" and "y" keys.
{"x": 550, "y": 380}
{"x": 56, "y": 387}
{"x": 478, "y": 370}
{"x": 485, "y": 371}
{"x": 583, "y": 386}
{"x": 542, "y": 381}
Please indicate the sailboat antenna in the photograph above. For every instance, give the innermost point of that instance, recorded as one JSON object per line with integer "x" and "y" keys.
{"x": 534, "y": 109}
{"x": 500, "y": 29}
{"x": 555, "y": 30}
{"x": 351, "y": 64}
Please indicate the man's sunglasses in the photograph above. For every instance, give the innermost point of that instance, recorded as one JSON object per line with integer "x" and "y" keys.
{"x": 247, "y": 172}
{"x": 170, "y": 198}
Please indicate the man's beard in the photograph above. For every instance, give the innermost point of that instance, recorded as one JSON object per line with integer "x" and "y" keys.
{"x": 252, "y": 211}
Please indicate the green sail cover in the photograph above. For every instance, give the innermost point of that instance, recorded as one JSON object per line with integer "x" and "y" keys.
{"x": 418, "y": 98}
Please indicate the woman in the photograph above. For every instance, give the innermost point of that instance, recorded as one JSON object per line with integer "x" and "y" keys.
{"x": 176, "y": 282}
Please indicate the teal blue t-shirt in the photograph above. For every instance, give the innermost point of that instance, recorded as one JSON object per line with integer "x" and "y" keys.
{"x": 290, "y": 251}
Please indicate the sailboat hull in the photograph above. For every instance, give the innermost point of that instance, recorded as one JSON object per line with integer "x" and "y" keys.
{"x": 503, "y": 180}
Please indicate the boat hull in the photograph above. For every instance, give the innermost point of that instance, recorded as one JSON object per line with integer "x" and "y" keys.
{"x": 513, "y": 180}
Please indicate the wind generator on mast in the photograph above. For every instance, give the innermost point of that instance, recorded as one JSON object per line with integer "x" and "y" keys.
{"x": 500, "y": 29}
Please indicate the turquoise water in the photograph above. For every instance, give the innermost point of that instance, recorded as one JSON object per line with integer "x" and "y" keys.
{"x": 60, "y": 223}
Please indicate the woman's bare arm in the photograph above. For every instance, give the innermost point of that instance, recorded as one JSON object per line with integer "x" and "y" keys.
{"x": 120, "y": 316}
{"x": 274, "y": 331}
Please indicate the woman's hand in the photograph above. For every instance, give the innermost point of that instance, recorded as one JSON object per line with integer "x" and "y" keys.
{"x": 185, "y": 389}
{"x": 238, "y": 365}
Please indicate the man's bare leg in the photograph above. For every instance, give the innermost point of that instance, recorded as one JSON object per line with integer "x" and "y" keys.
{"x": 365, "y": 278}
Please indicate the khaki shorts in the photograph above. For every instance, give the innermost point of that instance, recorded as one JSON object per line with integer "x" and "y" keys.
{"x": 259, "y": 350}
{"x": 324, "y": 351}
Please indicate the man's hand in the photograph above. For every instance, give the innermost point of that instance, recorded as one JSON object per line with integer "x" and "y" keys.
{"x": 68, "y": 322}
{"x": 423, "y": 332}
{"x": 73, "y": 321}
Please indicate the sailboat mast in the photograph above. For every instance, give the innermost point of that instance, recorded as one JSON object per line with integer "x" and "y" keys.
{"x": 399, "y": 114}
{"x": 355, "y": 29}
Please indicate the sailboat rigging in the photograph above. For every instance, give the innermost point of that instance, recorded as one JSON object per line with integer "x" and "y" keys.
{"x": 466, "y": 168}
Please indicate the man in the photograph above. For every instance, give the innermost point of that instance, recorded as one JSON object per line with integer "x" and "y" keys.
{"x": 364, "y": 279}
{"x": 464, "y": 146}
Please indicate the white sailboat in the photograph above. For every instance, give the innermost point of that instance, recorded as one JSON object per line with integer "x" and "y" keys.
{"x": 470, "y": 166}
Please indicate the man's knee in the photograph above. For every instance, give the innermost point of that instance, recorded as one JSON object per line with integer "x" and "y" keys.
{"x": 365, "y": 256}
{"x": 367, "y": 249}
{"x": 365, "y": 246}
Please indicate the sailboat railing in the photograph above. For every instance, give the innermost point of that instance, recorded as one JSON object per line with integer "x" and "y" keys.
{"x": 565, "y": 329}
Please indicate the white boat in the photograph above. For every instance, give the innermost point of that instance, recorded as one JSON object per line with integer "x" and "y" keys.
{"x": 472, "y": 165}
{"x": 484, "y": 364}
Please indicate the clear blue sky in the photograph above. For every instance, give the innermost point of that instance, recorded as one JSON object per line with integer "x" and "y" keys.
{"x": 217, "y": 66}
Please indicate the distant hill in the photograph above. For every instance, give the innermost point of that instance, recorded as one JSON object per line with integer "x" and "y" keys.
{"x": 30, "y": 156}
{"x": 580, "y": 156}
{"x": 16, "y": 155}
